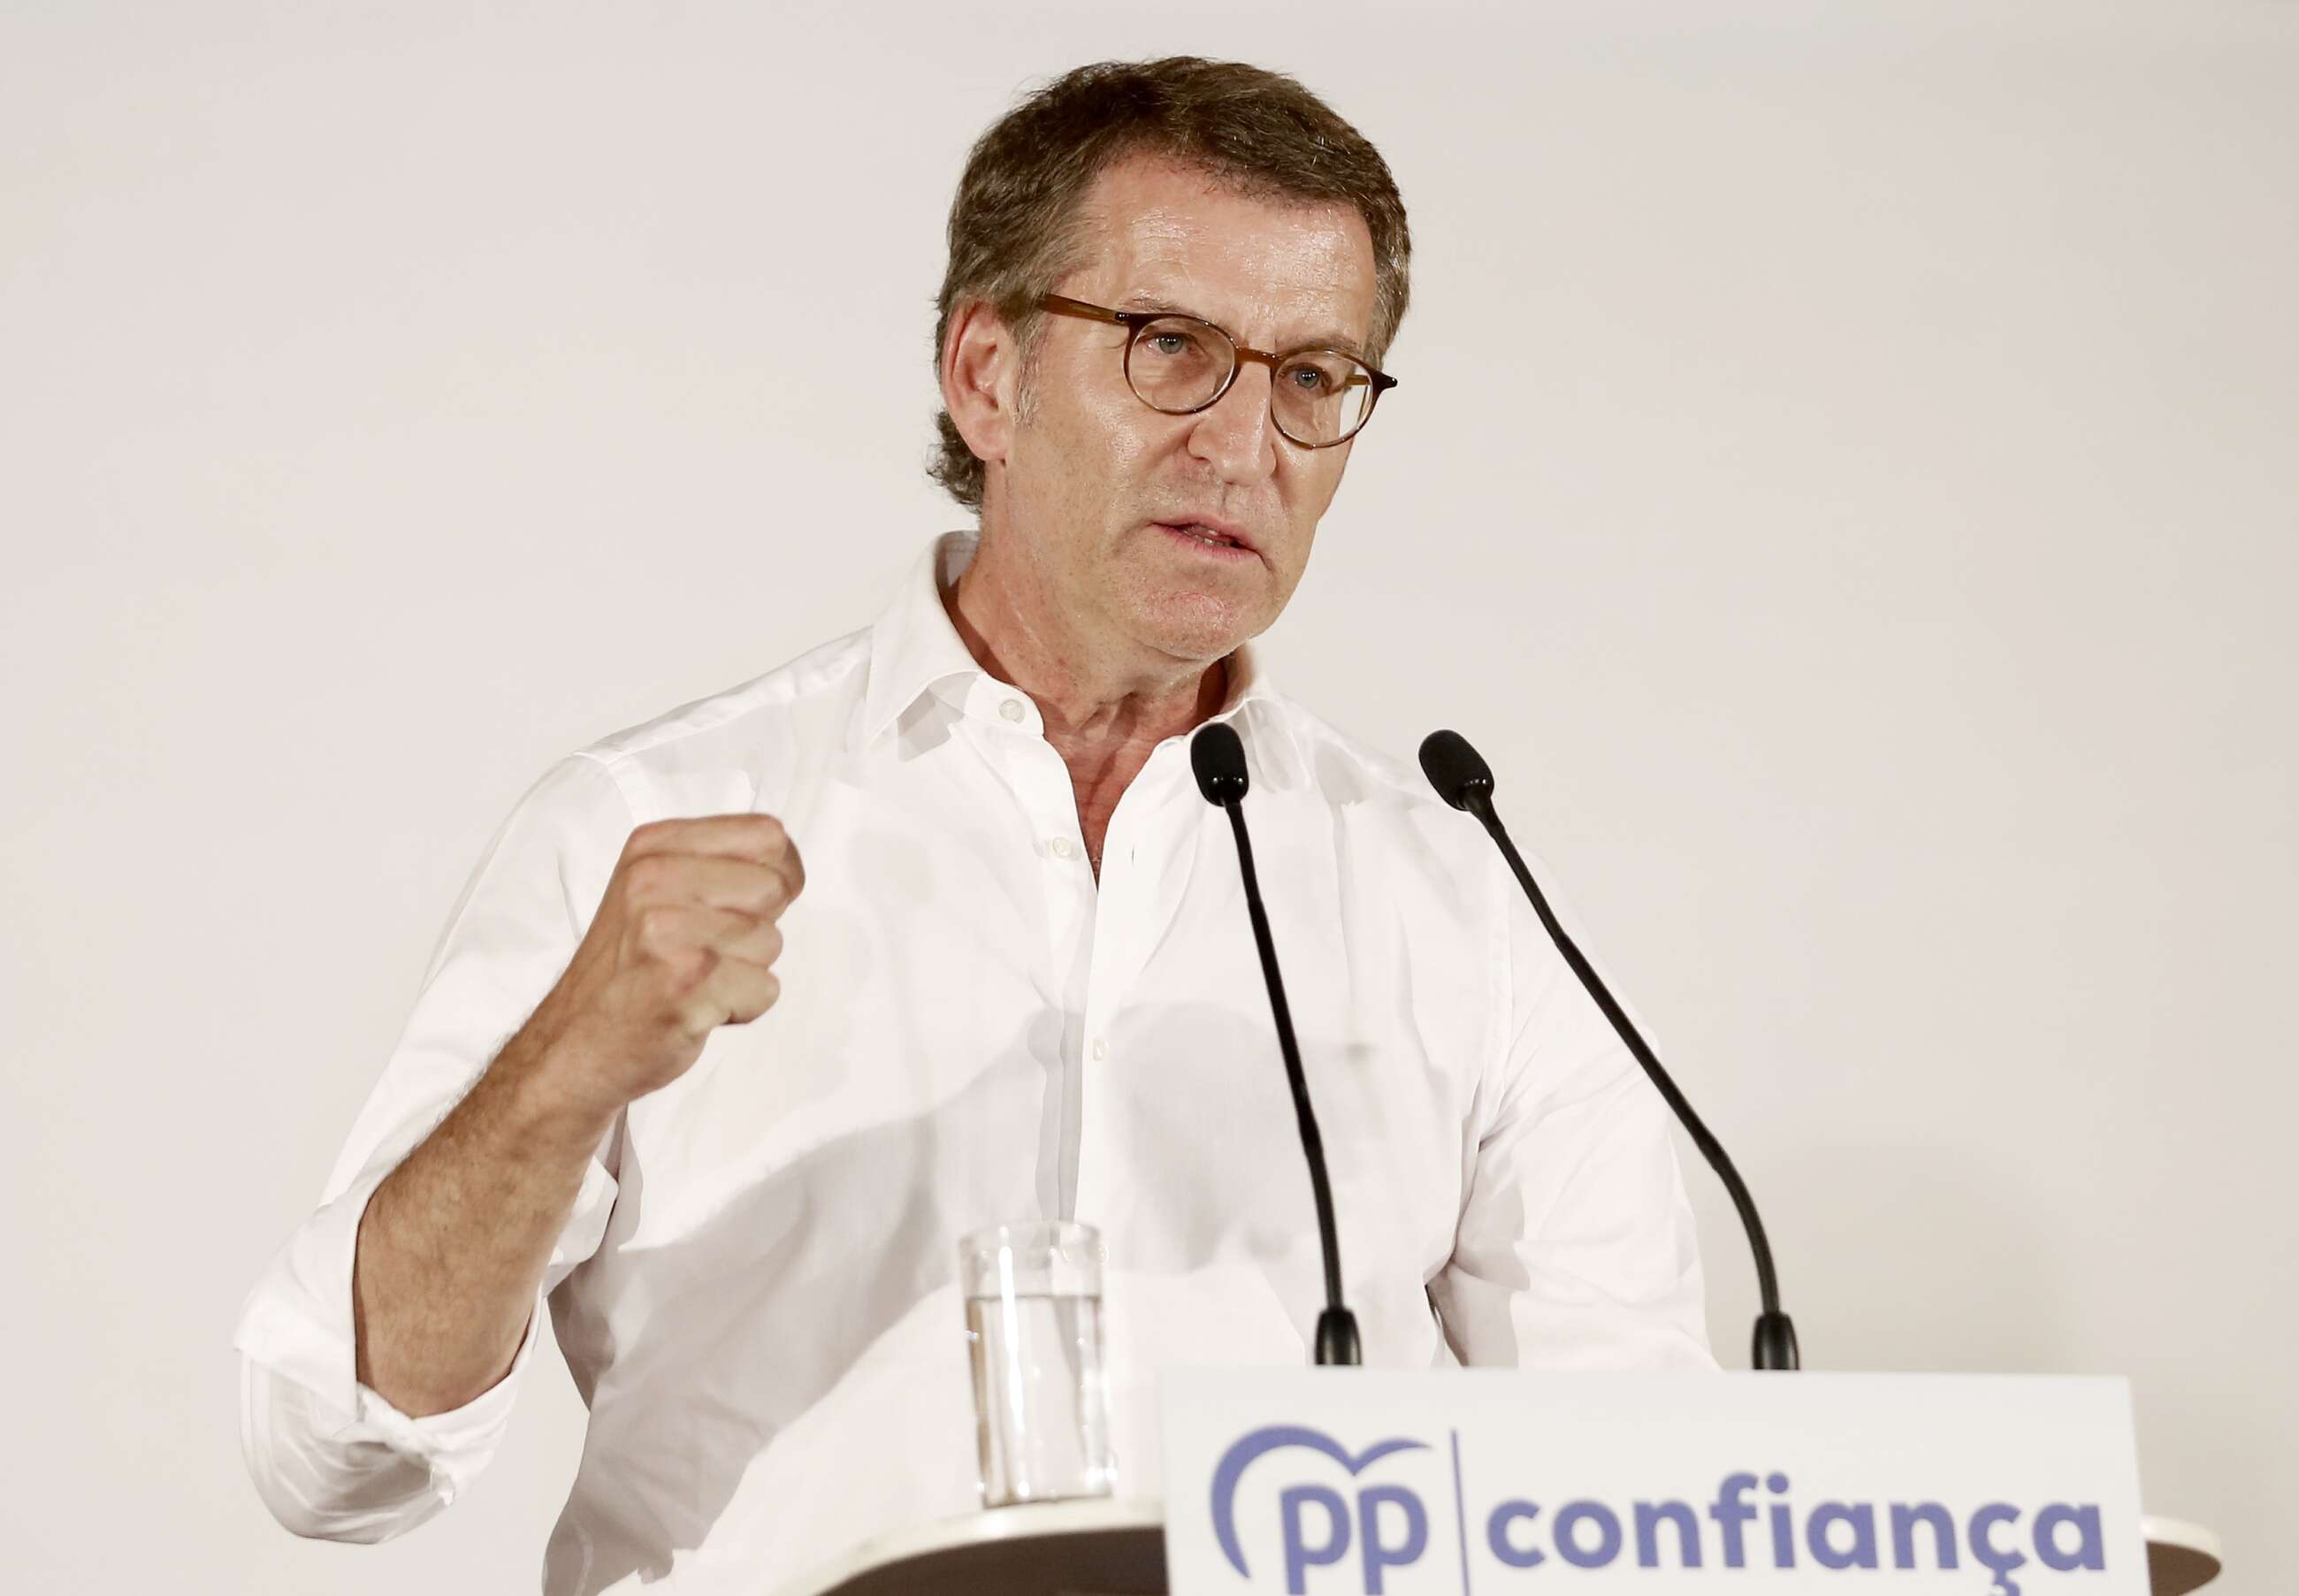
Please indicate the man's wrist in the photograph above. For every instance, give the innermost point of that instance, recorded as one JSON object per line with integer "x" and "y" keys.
{"x": 548, "y": 1091}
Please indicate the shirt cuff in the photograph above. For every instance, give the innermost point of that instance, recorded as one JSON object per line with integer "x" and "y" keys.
{"x": 297, "y": 1324}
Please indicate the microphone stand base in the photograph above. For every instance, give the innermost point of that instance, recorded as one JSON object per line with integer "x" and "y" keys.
{"x": 1774, "y": 1344}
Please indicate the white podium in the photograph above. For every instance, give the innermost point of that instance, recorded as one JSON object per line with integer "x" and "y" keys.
{"x": 1118, "y": 1549}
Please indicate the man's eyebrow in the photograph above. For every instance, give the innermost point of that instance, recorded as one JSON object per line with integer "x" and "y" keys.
{"x": 1151, "y": 302}
{"x": 1317, "y": 340}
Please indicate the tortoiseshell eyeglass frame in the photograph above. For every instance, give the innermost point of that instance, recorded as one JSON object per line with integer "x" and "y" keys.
{"x": 1133, "y": 322}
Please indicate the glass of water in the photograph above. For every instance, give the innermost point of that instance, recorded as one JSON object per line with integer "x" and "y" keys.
{"x": 1034, "y": 1328}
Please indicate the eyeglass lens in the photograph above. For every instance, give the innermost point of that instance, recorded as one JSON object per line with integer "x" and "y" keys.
{"x": 1177, "y": 364}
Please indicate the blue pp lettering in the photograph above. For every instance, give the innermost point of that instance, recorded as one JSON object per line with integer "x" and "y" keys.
{"x": 1381, "y": 1554}
{"x": 1300, "y": 1557}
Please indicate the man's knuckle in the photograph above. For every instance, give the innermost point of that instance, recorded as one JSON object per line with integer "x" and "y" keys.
{"x": 646, "y": 876}
{"x": 658, "y": 927}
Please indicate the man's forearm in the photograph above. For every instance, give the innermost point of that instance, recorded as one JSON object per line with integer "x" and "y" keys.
{"x": 454, "y": 1243}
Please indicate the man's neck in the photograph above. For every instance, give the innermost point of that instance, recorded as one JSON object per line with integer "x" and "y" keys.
{"x": 1103, "y": 714}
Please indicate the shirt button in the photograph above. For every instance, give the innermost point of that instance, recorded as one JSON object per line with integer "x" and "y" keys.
{"x": 1061, "y": 847}
{"x": 1101, "y": 1047}
{"x": 1011, "y": 708}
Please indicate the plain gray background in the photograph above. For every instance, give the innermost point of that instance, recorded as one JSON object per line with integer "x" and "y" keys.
{"x": 1843, "y": 476}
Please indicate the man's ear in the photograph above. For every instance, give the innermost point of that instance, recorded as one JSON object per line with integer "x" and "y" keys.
{"x": 981, "y": 379}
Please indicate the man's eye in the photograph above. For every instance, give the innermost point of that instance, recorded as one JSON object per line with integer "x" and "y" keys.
{"x": 1169, "y": 343}
{"x": 1308, "y": 378}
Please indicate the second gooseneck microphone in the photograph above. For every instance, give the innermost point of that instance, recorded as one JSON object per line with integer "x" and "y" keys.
{"x": 1463, "y": 779}
{"x": 1217, "y": 758}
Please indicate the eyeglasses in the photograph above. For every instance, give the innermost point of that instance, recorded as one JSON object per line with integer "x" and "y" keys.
{"x": 1179, "y": 364}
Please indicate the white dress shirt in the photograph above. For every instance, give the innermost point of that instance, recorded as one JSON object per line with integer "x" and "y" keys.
{"x": 756, "y": 1290}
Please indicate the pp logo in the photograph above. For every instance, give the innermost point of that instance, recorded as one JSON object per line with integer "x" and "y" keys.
{"x": 1387, "y": 1525}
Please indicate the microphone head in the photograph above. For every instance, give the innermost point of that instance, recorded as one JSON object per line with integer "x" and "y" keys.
{"x": 1217, "y": 758}
{"x": 1458, "y": 771}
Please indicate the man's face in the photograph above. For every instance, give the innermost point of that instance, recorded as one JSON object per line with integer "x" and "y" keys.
{"x": 1097, "y": 487}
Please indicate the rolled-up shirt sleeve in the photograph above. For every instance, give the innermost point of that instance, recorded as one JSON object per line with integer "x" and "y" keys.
{"x": 330, "y": 1457}
{"x": 1577, "y": 1248}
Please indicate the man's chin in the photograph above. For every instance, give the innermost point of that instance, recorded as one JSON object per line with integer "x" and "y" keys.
{"x": 1194, "y": 626}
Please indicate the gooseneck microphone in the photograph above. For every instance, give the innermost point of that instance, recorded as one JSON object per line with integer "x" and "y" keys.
{"x": 1463, "y": 780}
{"x": 1217, "y": 758}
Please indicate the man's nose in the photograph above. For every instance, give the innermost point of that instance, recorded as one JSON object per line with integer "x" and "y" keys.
{"x": 1235, "y": 433}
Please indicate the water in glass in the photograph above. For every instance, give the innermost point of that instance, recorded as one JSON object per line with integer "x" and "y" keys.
{"x": 1040, "y": 1408}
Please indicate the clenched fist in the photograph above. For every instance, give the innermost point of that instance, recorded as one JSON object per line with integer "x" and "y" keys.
{"x": 684, "y": 941}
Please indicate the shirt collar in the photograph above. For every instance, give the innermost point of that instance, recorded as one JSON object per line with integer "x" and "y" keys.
{"x": 913, "y": 646}
{"x": 915, "y": 650}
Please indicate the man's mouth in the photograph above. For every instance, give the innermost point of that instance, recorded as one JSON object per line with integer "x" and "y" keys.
{"x": 1208, "y": 538}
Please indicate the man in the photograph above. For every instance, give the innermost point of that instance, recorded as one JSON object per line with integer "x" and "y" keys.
{"x": 748, "y": 1104}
